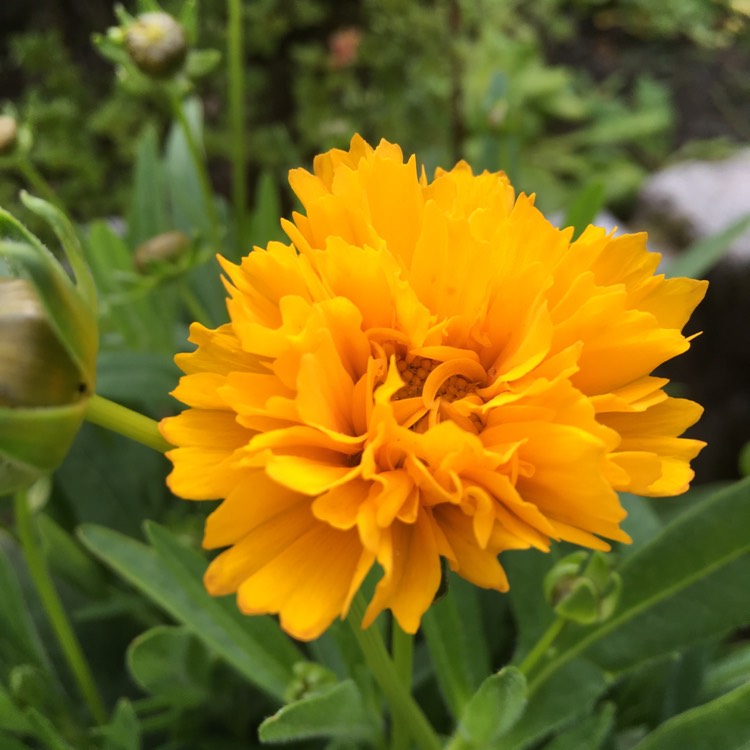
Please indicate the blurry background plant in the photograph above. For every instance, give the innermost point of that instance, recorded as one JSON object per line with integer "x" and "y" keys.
{"x": 577, "y": 100}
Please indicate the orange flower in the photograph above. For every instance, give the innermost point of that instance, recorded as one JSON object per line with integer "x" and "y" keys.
{"x": 429, "y": 370}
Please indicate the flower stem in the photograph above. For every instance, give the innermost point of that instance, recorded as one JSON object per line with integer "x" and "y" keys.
{"x": 236, "y": 75}
{"x": 199, "y": 163}
{"x": 400, "y": 700}
{"x": 402, "y": 648}
{"x": 542, "y": 645}
{"x": 54, "y": 609}
{"x": 127, "y": 422}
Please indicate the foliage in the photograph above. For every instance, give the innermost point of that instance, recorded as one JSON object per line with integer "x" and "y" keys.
{"x": 177, "y": 669}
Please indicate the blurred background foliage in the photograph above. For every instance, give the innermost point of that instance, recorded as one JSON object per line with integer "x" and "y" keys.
{"x": 559, "y": 93}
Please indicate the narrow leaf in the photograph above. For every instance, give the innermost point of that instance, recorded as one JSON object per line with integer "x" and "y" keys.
{"x": 457, "y": 644}
{"x": 723, "y": 723}
{"x": 185, "y": 599}
{"x": 697, "y": 259}
{"x": 589, "y": 734}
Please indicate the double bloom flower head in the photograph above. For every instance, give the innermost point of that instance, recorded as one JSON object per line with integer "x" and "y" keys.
{"x": 429, "y": 369}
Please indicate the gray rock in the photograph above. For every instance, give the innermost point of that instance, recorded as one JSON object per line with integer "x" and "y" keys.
{"x": 697, "y": 199}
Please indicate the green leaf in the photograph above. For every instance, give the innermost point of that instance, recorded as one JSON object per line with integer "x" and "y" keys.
{"x": 189, "y": 566}
{"x": 335, "y": 712}
{"x": 264, "y": 219}
{"x": 171, "y": 662}
{"x": 728, "y": 672}
{"x": 589, "y": 734}
{"x": 147, "y": 214}
{"x": 676, "y": 590}
{"x": 183, "y": 186}
{"x": 142, "y": 378}
{"x": 696, "y": 260}
{"x": 45, "y": 730}
{"x": 8, "y": 742}
{"x": 20, "y": 642}
{"x": 584, "y": 207}
{"x": 493, "y": 709}
{"x": 123, "y": 732}
{"x": 12, "y": 718}
{"x": 457, "y": 644}
{"x": 183, "y": 596}
{"x": 67, "y": 558}
{"x": 570, "y": 693}
{"x": 722, "y": 723}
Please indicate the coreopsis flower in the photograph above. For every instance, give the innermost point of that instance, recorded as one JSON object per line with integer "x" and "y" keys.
{"x": 429, "y": 369}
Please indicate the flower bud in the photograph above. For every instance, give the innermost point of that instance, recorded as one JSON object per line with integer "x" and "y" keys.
{"x": 166, "y": 248}
{"x": 583, "y": 590}
{"x": 157, "y": 44}
{"x": 35, "y": 369}
{"x": 48, "y": 344}
{"x": 8, "y": 134}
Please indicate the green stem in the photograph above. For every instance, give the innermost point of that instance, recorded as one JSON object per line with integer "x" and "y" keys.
{"x": 127, "y": 422}
{"x": 236, "y": 76}
{"x": 542, "y": 646}
{"x": 402, "y": 648}
{"x": 37, "y": 181}
{"x": 54, "y": 609}
{"x": 200, "y": 167}
{"x": 401, "y": 703}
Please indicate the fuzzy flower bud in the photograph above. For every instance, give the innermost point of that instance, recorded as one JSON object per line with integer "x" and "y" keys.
{"x": 8, "y": 134}
{"x": 157, "y": 44}
{"x": 582, "y": 589}
{"x": 165, "y": 248}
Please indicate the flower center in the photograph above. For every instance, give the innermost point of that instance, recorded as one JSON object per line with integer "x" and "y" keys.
{"x": 415, "y": 373}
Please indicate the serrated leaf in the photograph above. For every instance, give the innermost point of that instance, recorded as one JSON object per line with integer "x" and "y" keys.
{"x": 335, "y": 712}
{"x": 722, "y": 723}
{"x": 183, "y": 596}
{"x": 493, "y": 709}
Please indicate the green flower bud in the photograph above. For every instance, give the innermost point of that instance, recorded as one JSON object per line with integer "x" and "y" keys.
{"x": 48, "y": 346}
{"x": 166, "y": 248}
{"x": 582, "y": 589}
{"x": 8, "y": 134}
{"x": 35, "y": 369}
{"x": 309, "y": 678}
{"x": 157, "y": 44}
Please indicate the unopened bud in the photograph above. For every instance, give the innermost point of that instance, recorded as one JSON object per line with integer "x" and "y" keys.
{"x": 8, "y": 134}
{"x": 167, "y": 248}
{"x": 582, "y": 589}
{"x": 157, "y": 44}
{"x": 35, "y": 369}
